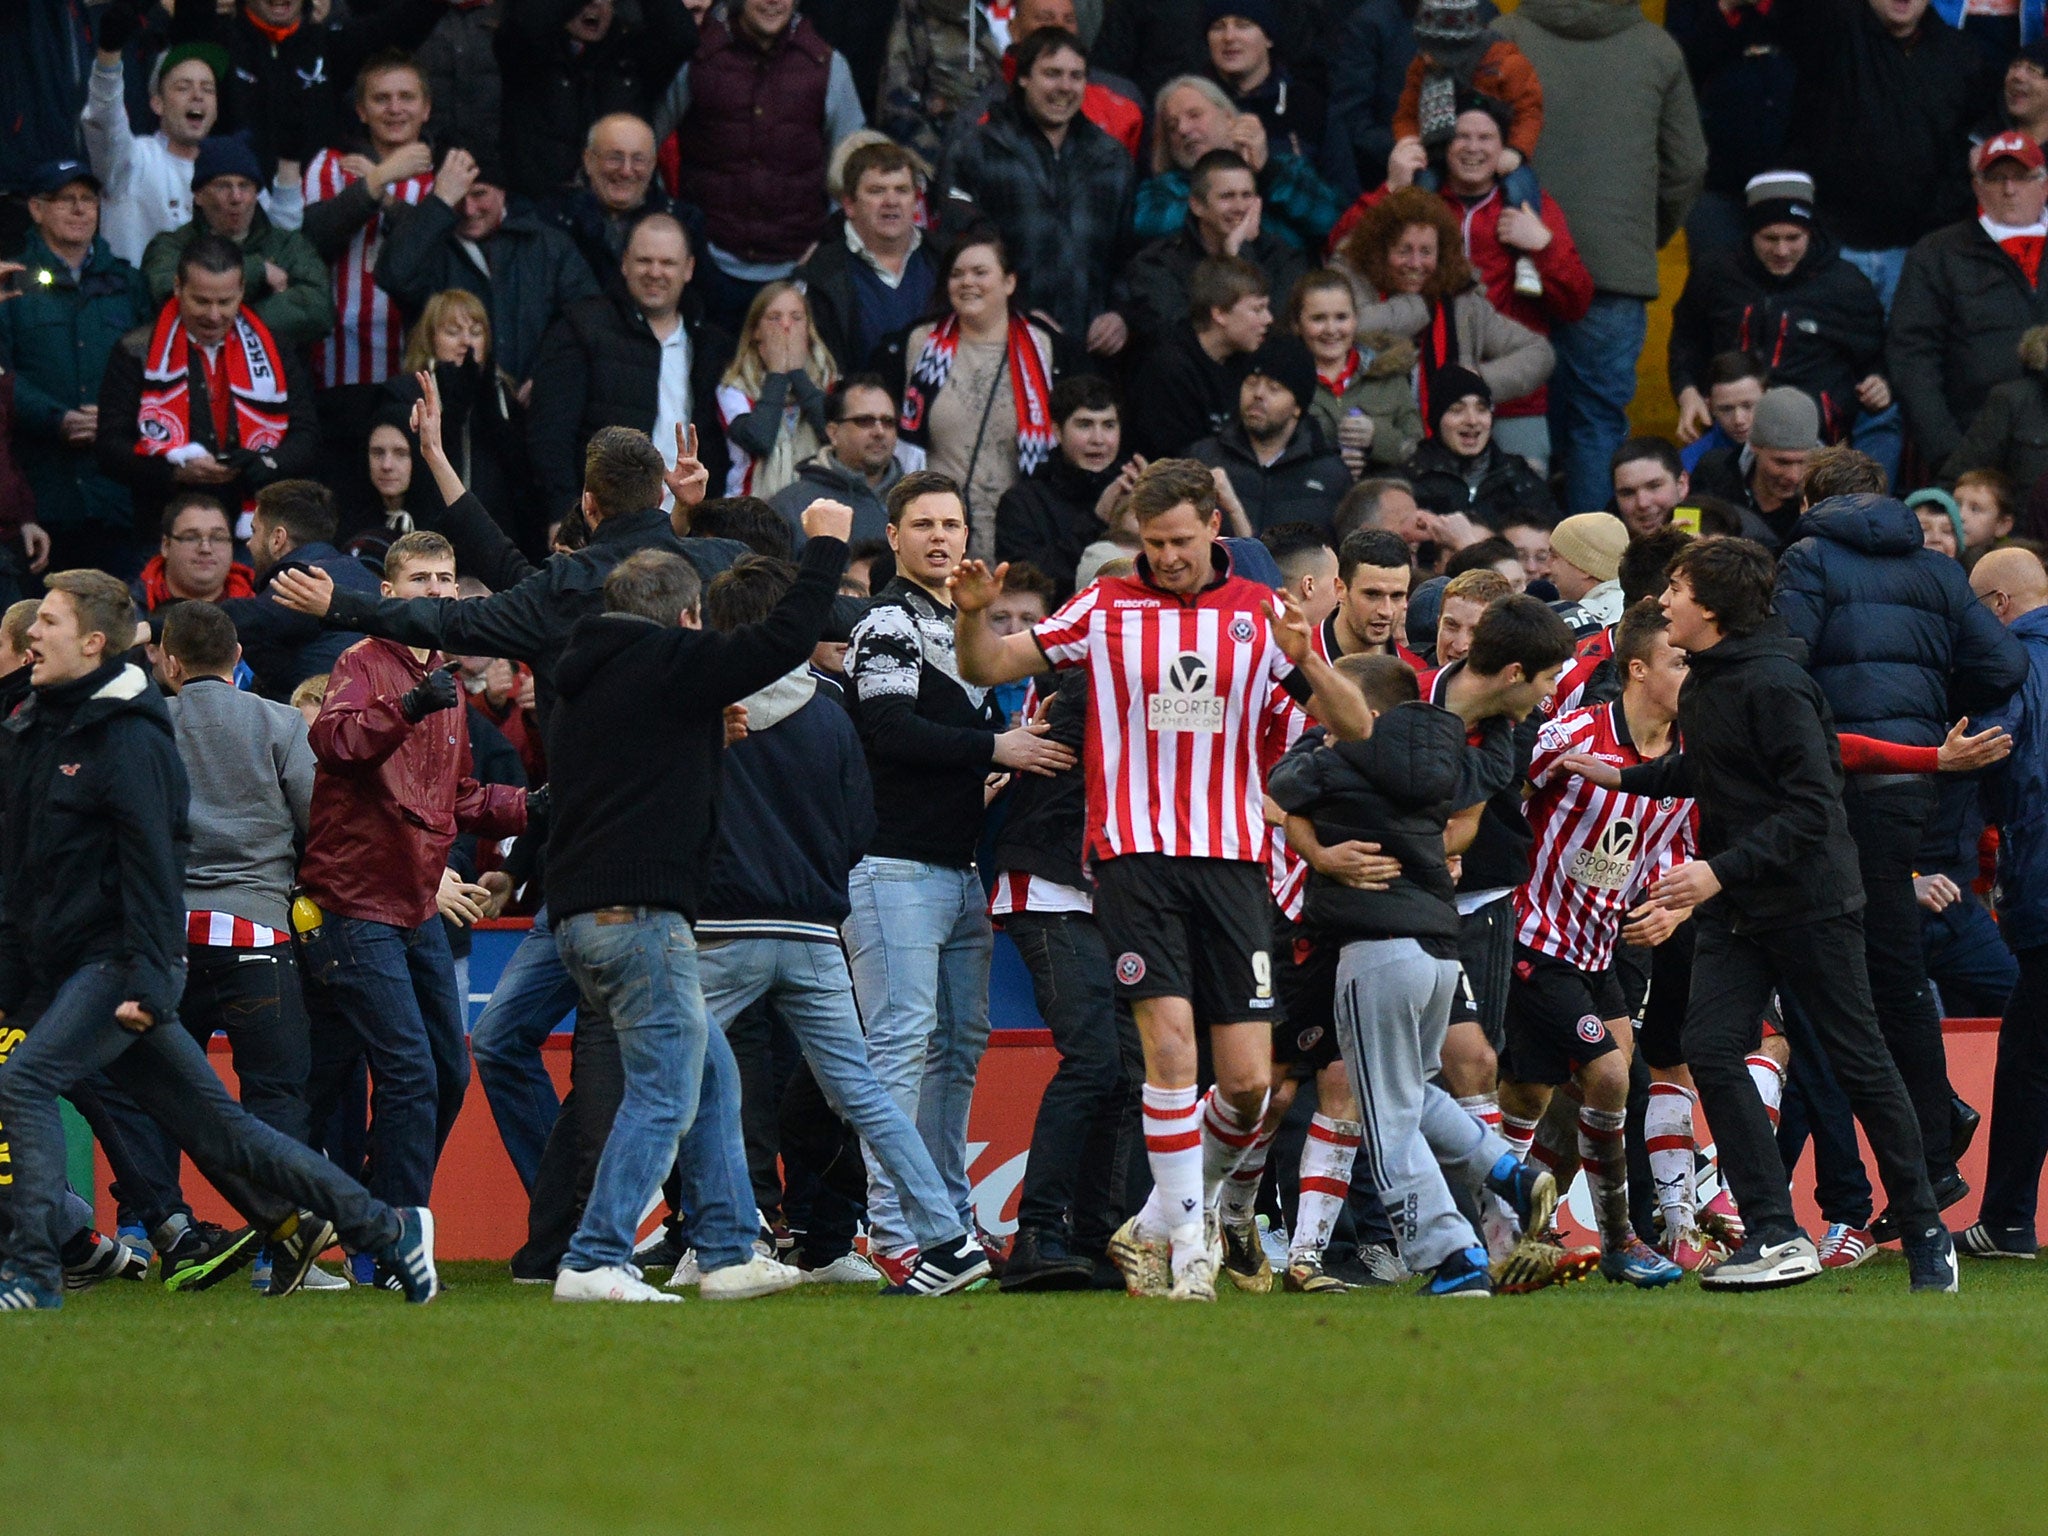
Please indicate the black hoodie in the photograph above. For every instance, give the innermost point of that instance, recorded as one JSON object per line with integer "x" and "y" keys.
{"x": 1396, "y": 788}
{"x": 1759, "y": 754}
{"x": 637, "y": 740}
{"x": 93, "y": 851}
{"x": 1049, "y": 518}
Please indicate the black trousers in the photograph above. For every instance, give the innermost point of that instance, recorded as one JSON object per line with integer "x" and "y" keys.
{"x": 2019, "y": 1101}
{"x": 568, "y": 1164}
{"x": 1887, "y": 815}
{"x": 825, "y": 1177}
{"x": 1087, "y": 1142}
{"x": 1732, "y": 979}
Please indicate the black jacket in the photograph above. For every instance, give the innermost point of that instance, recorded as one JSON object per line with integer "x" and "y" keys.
{"x": 1744, "y": 82}
{"x": 536, "y": 272}
{"x": 92, "y": 857}
{"x": 1957, "y": 319}
{"x": 1303, "y": 485}
{"x": 1894, "y": 636}
{"x": 1882, "y": 124}
{"x": 1488, "y": 488}
{"x": 1819, "y": 328}
{"x": 1048, "y": 517}
{"x": 556, "y": 88}
{"x": 531, "y": 609}
{"x": 1151, "y": 292}
{"x": 292, "y": 98}
{"x": 930, "y": 738}
{"x": 1184, "y": 396}
{"x": 152, "y": 477}
{"x": 1725, "y": 472}
{"x": 835, "y": 301}
{"x": 1396, "y": 788}
{"x": 2009, "y": 434}
{"x": 1047, "y": 818}
{"x": 284, "y": 648}
{"x": 483, "y": 427}
{"x": 797, "y": 814}
{"x": 601, "y": 367}
{"x": 1500, "y": 750}
{"x": 1759, "y": 754}
{"x": 637, "y": 741}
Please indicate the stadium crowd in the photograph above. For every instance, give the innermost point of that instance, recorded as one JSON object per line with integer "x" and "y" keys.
{"x": 777, "y": 494}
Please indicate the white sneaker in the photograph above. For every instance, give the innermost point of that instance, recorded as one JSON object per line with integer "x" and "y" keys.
{"x": 686, "y": 1271}
{"x": 318, "y": 1279}
{"x": 743, "y": 1282}
{"x": 612, "y": 1282}
{"x": 847, "y": 1269}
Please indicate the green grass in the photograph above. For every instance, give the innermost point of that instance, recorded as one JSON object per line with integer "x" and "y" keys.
{"x": 1844, "y": 1405}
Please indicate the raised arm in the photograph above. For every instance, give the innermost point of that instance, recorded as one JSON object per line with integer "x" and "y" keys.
{"x": 986, "y": 658}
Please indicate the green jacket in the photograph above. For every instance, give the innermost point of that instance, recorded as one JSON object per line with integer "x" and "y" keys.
{"x": 1623, "y": 151}
{"x": 298, "y": 317}
{"x": 58, "y": 336}
{"x": 1384, "y": 392}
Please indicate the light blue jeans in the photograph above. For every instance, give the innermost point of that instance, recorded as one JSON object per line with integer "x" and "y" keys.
{"x": 640, "y": 970}
{"x": 812, "y": 992}
{"x": 920, "y": 944}
{"x": 1590, "y": 391}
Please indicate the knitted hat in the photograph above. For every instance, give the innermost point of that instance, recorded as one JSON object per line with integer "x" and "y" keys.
{"x": 1779, "y": 197}
{"x": 225, "y": 155}
{"x": 1786, "y": 419}
{"x": 1450, "y": 385}
{"x": 1260, "y": 13}
{"x": 212, "y": 55}
{"x": 1425, "y": 607}
{"x": 1943, "y": 503}
{"x": 1592, "y": 541}
{"x": 1448, "y": 21}
{"x": 1283, "y": 359}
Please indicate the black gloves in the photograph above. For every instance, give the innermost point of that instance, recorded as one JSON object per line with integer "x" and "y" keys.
{"x": 537, "y": 803}
{"x": 436, "y": 691}
{"x": 119, "y": 23}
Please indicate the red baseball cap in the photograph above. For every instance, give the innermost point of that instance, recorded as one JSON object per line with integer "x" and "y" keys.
{"x": 2011, "y": 145}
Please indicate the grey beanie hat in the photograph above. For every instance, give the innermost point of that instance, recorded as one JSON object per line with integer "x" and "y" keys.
{"x": 1786, "y": 419}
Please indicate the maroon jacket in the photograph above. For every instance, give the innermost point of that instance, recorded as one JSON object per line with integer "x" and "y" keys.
{"x": 389, "y": 796}
{"x": 753, "y": 145}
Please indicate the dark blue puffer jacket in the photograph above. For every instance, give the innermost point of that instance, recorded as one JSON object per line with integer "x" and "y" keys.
{"x": 2016, "y": 796}
{"x": 1895, "y": 637}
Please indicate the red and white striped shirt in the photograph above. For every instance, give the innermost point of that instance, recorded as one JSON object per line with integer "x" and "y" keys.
{"x": 1595, "y": 848}
{"x": 369, "y": 332}
{"x": 1016, "y": 891}
{"x": 1180, "y": 689}
{"x": 1592, "y": 653}
{"x": 223, "y": 930}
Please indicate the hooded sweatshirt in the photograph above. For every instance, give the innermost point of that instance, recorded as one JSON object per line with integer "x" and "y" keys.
{"x": 636, "y": 743}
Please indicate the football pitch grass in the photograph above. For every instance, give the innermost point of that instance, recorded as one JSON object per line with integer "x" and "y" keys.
{"x": 1846, "y": 1404}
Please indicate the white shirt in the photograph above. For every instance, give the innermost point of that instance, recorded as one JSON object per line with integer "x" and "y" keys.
{"x": 672, "y": 395}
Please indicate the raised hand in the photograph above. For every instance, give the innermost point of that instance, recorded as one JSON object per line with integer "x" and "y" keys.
{"x": 973, "y": 586}
{"x": 426, "y": 417}
{"x": 689, "y": 481}
{"x": 824, "y": 519}
{"x": 1290, "y": 626}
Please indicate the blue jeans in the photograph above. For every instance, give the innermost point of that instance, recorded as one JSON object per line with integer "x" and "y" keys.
{"x": 388, "y": 992}
{"x": 533, "y": 995}
{"x": 1882, "y": 268}
{"x": 639, "y": 967}
{"x": 166, "y": 1072}
{"x": 1590, "y": 391}
{"x": 812, "y": 993}
{"x": 920, "y": 946}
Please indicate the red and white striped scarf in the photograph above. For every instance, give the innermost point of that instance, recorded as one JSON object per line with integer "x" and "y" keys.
{"x": 1030, "y": 389}
{"x": 257, "y": 417}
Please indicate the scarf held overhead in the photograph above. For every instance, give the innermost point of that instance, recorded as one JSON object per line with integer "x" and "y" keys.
{"x": 1030, "y": 391}
{"x": 249, "y": 364}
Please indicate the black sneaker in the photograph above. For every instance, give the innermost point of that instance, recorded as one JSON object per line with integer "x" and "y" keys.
{"x": 100, "y": 1257}
{"x": 1040, "y": 1262}
{"x": 662, "y": 1250}
{"x": 960, "y": 1266}
{"x": 407, "y": 1265}
{"x": 206, "y": 1254}
{"x": 1931, "y": 1258}
{"x": 1950, "y": 1190}
{"x": 1965, "y": 1120}
{"x": 291, "y": 1258}
{"x": 1980, "y": 1241}
{"x": 1764, "y": 1264}
{"x": 1462, "y": 1274}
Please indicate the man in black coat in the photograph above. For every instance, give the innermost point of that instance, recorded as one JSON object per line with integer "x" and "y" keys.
{"x": 604, "y": 361}
{"x": 1050, "y": 516}
{"x": 1966, "y": 296}
{"x": 1278, "y": 465}
{"x": 1787, "y": 296}
{"x": 872, "y": 273}
{"x": 94, "y": 966}
{"x": 1899, "y": 645}
{"x": 1779, "y": 903}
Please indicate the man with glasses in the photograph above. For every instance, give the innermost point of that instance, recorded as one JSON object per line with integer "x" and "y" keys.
{"x": 860, "y": 462}
{"x": 616, "y": 191}
{"x": 1967, "y": 293}
{"x": 197, "y": 559}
